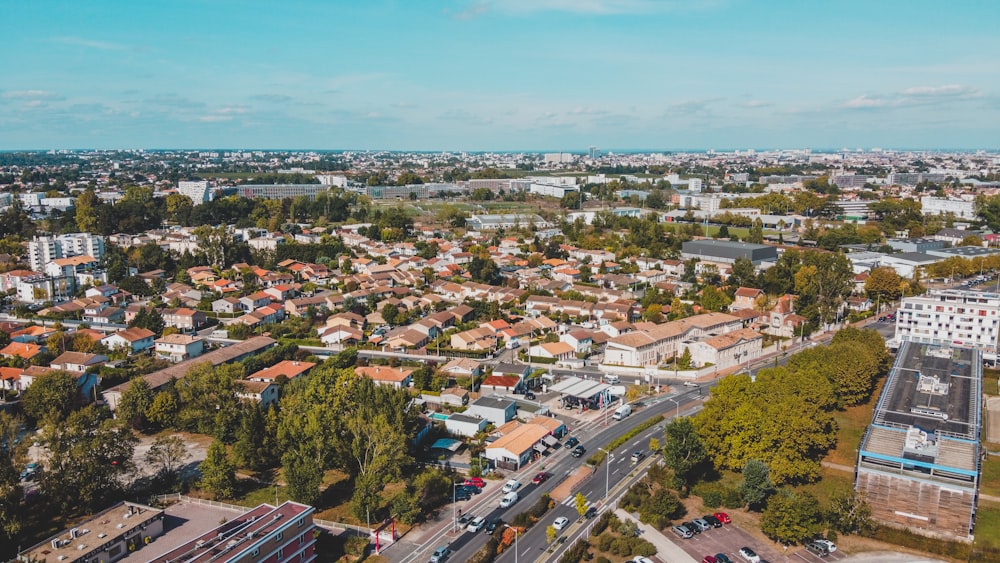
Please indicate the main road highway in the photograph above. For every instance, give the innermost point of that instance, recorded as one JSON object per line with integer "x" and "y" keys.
{"x": 560, "y": 465}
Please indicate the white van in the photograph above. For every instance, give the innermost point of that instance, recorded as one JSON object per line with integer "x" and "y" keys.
{"x": 508, "y": 500}
{"x": 622, "y": 411}
{"x": 612, "y": 379}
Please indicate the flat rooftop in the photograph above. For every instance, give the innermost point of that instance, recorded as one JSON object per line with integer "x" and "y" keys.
{"x": 103, "y": 527}
{"x": 929, "y": 411}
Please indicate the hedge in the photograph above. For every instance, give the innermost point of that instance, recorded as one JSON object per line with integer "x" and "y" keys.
{"x": 597, "y": 458}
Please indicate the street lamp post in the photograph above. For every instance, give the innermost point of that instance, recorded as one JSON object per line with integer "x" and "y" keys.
{"x": 607, "y": 471}
{"x": 678, "y": 406}
{"x": 515, "y": 539}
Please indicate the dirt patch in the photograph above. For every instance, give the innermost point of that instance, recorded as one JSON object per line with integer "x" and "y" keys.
{"x": 196, "y": 446}
{"x": 565, "y": 489}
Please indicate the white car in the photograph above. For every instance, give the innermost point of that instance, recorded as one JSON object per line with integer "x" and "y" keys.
{"x": 476, "y": 524}
{"x": 511, "y": 486}
{"x": 641, "y": 559}
{"x": 560, "y": 523}
{"x": 829, "y": 545}
{"x": 749, "y": 555}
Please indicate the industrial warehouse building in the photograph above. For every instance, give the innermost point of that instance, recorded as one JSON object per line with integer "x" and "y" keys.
{"x": 919, "y": 461}
{"x": 726, "y": 252}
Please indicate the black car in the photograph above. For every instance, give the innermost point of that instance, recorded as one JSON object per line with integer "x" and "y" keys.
{"x": 591, "y": 512}
{"x": 578, "y": 451}
{"x": 492, "y": 525}
{"x": 529, "y": 396}
{"x": 461, "y": 493}
{"x": 712, "y": 520}
{"x": 817, "y": 548}
{"x": 692, "y": 527}
{"x": 571, "y": 442}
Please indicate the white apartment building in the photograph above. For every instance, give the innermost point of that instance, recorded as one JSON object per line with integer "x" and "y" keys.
{"x": 197, "y": 190}
{"x": 42, "y": 250}
{"x": 949, "y": 317}
{"x": 940, "y": 206}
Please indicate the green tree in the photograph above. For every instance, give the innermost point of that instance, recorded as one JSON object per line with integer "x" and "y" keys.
{"x": 756, "y": 486}
{"x": 135, "y": 403}
{"x": 390, "y": 314}
{"x": 571, "y": 200}
{"x": 483, "y": 269}
{"x": 87, "y": 207}
{"x": 163, "y": 410}
{"x": 11, "y": 491}
{"x": 743, "y": 274}
{"x": 581, "y": 504}
{"x": 791, "y": 517}
{"x": 684, "y": 452}
{"x": 167, "y": 454}
{"x": 550, "y": 534}
{"x": 714, "y": 300}
{"x": 218, "y": 473}
{"x": 89, "y": 455}
{"x": 250, "y": 447}
{"x": 756, "y": 234}
{"x": 52, "y": 396}
{"x": 684, "y": 362}
{"x": 783, "y": 419}
{"x": 303, "y": 476}
{"x": 884, "y": 284}
{"x": 849, "y": 513}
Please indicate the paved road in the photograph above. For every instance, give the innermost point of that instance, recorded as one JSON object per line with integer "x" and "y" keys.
{"x": 560, "y": 464}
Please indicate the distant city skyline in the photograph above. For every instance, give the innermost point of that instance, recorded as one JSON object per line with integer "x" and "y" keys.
{"x": 500, "y": 75}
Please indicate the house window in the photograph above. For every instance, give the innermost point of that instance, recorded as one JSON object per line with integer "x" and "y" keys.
{"x": 280, "y": 536}
{"x": 255, "y": 552}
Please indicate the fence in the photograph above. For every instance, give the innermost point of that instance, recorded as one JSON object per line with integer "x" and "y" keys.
{"x": 327, "y": 524}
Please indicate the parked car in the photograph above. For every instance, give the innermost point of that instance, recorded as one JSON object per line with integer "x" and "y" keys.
{"x": 590, "y": 513}
{"x": 637, "y": 457}
{"x": 690, "y": 526}
{"x": 440, "y": 554}
{"x": 702, "y": 524}
{"x": 722, "y": 558}
{"x": 691, "y": 384}
{"x": 560, "y": 523}
{"x": 475, "y": 482}
{"x": 511, "y": 486}
{"x": 476, "y": 524}
{"x": 749, "y": 555}
{"x": 540, "y": 478}
{"x": 570, "y": 443}
{"x": 715, "y": 522}
{"x": 723, "y": 517}
{"x": 461, "y": 493}
{"x": 578, "y": 451}
{"x": 529, "y": 396}
{"x": 829, "y": 545}
{"x": 682, "y": 531}
{"x": 641, "y": 559}
{"x": 708, "y": 559}
{"x": 817, "y": 549}
{"x": 464, "y": 519}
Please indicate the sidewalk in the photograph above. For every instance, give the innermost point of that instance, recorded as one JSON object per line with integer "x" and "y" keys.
{"x": 666, "y": 550}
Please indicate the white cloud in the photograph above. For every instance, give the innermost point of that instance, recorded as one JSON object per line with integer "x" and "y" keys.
{"x": 585, "y": 7}
{"x": 945, "y": 91}
{"x": 90, "y": 43}
{"x": 756, "y": 104}
{"x": 215, "y": 118}
{"x": 31, "y": 95}
{"x": 864, "y": 102}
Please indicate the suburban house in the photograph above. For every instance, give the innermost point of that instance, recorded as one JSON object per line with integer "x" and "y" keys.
{"x": 135, "y": 340}
{"x": 553, "y": 350}
{"x": 462, "y": 367}
{"x": 288, "y": 368}
{"x": 500, "y": 384}
{"x": 226, "y": 305}
{"x": 461, "y": 424}
{"x": 516, "y": 448}
{"x": 400, "y": 378}
{"x": 494, "y": 409}
{"x": 77, "y": 361}
{"x": 179, "y": 347}
{"x": 726, "y": 350}
{"x": 184, "y": 319}
{"x": 745, "y": 298}
{"x": 263, "y": 392}
{"x": 340, "y": 334}
{"x": 23, "y": 350}
{"x": 454, "y": 396}
{"x": 580, "y": 340}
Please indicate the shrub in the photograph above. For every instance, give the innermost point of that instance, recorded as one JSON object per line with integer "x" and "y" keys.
{"x": 606, "y": 519}
{"x": 642, "y": 547}
{"x": 541, "y": 506}
{"x": 580, "y": 551}
{"x": 602, "y": 559}
{"x": 604, "y": 542}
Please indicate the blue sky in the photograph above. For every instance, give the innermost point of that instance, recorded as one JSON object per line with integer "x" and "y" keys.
{"x": 499, "y": 74}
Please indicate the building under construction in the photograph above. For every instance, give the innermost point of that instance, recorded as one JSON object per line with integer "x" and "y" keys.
{"x": 919, "y": 461}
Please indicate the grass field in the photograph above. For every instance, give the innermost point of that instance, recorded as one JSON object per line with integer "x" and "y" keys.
{"x": 851, "y": 424}
{"x": 988, "y": 525}
{"x": 990, "y": 481}
{"x": 741, "y": 232}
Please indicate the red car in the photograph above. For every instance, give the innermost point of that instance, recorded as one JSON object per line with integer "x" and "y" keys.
{"x": 540, "y": 478}
{"x": 723, "y": 517}
{"x": 475, "y": 482}
{"x": 708, "y": 559}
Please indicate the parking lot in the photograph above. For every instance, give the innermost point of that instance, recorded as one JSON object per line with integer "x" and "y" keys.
{"x": 730, "y": 538}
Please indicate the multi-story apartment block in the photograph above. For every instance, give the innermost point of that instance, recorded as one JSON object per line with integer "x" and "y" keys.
{"x": 919, "y": 462}
{"x": 42, "y": 250}
{"x": 198, "y": 191}
{"x": 281, "y": 191}
{"x": 940, "y": 206}
{"x": 951, "y": 318}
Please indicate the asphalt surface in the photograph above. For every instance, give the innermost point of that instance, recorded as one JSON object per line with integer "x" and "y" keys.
{"x": 560, "y": 465}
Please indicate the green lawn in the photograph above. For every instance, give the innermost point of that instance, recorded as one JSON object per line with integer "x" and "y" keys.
{"x": 741, "y": 232}
{"x": 990, "y": 483}
{"x": 831, "y": 482}
{"x": 851, "y": 424}
{"x": 988, "y": 525}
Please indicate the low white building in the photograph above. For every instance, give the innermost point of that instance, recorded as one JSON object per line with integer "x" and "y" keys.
{"x": 960, "y": 208}
{"x": 179, "y": 347}
{"x": 464, "y": 425}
